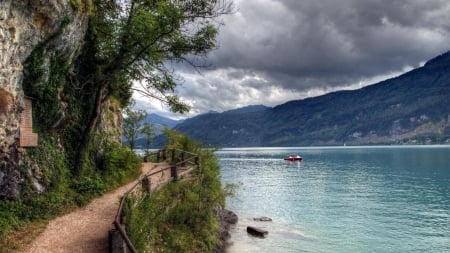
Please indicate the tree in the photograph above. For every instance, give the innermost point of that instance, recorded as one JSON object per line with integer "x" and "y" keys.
{"x": 148, "y": 132}
{"x": 133, "y": 40}
{"x": 132, "y": 125}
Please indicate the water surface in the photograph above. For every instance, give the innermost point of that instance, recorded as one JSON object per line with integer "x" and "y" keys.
{"x": 342, "y": 199}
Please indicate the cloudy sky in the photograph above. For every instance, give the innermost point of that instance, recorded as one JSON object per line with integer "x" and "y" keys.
{"x": 273, "y": 51}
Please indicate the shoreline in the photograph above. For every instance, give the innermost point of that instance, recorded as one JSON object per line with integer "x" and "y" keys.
{"x": 226, "y": 219}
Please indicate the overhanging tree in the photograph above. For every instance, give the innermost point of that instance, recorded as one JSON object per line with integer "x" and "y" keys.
{"x": 148, "y": 132}
{"x": 133, "y": 40}
{"x": 133, "y": 125}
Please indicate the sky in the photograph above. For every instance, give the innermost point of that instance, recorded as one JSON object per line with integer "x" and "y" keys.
{"x": 274, "y": 51}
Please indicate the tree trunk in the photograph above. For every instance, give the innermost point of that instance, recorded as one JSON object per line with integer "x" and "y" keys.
{"x": 88, "y": 130}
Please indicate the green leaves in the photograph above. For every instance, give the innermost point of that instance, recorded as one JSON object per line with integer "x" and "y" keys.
{"x": 132, "y": 124}
{"x": 136, "y": 39}
{"x": 148, "y": 131}
{"x": 179, "y": 217}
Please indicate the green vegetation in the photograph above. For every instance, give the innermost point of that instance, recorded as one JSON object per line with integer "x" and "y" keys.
{"x": 78, "y": 89}
{"x": 132, "y": 125}
{"x": 112, "y": 167}
{"x": 179, "y": 217}
{"x": 83, "y": 6}
{"x": 134, "y": 40}
{"x": 59, "y": 108}
{"x": 62, "y": 191}
{"x": 148, "y": 131}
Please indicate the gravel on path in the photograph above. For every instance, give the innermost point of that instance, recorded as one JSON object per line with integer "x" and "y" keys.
{"x": 85, "y": 230}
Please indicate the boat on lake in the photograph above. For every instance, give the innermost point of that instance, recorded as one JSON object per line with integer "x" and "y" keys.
{"x": 293, "y": 158}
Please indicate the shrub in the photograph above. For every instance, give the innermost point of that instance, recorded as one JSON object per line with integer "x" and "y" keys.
{"x": 91, "y": 186}
{"x": 61, "y": 191}
{"x": 179, "y": 217}
{"x": 119, "y": 164}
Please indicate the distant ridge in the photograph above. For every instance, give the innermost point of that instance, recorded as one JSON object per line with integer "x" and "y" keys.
{"x": 413, "y": 108}
{"x": 161, "y": 121}
{"x": 442, "y": 59}
{"x": 248, "y": 109}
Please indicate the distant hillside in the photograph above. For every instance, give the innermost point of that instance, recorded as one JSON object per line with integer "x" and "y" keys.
{"x": 413, "y": 108}
{"x": 248, "y": 109}
{"x": 161, "y": 121}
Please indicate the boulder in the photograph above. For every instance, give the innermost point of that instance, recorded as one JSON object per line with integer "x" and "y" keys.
{"x": 263, "y": 218}
{"x": 226, "y": 218}
{"x": 257, "y": 231}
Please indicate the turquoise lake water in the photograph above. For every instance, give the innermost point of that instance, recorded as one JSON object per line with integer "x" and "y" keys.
{"x": 342, "y": 199}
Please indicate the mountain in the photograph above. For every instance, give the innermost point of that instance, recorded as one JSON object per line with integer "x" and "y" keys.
{"x": 248, "y": 109}
{"x": 160, "y": 121}
{"x": 412, "y": 108}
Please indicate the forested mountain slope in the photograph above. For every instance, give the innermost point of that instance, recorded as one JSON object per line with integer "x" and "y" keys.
{"x": 412, "y": 108}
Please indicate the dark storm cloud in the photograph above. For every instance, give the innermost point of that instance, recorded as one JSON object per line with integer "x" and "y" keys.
{"x": 273, "y": 51}
{"x": 331, "y": 42}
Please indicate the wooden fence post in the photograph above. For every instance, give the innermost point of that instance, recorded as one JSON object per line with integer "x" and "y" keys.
{"x": 122, "y": 202}
{"x": 164, "y": 155}
{"x": 173, "y": 155}
{"x": 116, "y": 242}
{"x": 182, "y": 158}
{"x": 174, "y": 172}
{"x": 197, "y": 161}
{"x": 158, "y": 156}
{"x": 147, "y": 185}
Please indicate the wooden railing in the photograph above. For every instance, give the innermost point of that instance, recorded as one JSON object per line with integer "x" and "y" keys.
{"x": 181, "y": 163}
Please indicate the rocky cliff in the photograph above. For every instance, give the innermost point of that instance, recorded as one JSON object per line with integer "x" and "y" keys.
{"x": 54, "y": 26}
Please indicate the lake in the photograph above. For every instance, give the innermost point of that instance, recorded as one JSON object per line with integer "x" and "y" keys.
{"x": 341, "y": 199}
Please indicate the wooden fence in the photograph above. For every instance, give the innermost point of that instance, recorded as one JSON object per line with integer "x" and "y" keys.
{"x": 181, "y": 163}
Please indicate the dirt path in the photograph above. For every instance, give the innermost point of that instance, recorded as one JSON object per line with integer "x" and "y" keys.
{"x": 85, "y": 230}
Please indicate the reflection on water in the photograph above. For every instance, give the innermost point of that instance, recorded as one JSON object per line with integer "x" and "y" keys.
{"x": 353, "y": 199}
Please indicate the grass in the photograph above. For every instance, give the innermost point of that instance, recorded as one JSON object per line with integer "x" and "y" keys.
{"x": 179, "y": 217}
{"x": 19, "y": 239}
{"x": 22, "y": 220}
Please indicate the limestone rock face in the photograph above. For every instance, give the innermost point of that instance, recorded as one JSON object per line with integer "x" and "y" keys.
{"x": 110, "y": 120}
{"x": 24, "y": 25}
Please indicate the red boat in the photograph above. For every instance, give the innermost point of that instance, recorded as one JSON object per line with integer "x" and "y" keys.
{"x": 293, "y": 158}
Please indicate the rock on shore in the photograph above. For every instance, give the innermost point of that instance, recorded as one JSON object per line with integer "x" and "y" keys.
{"x": 226, "y": 218}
